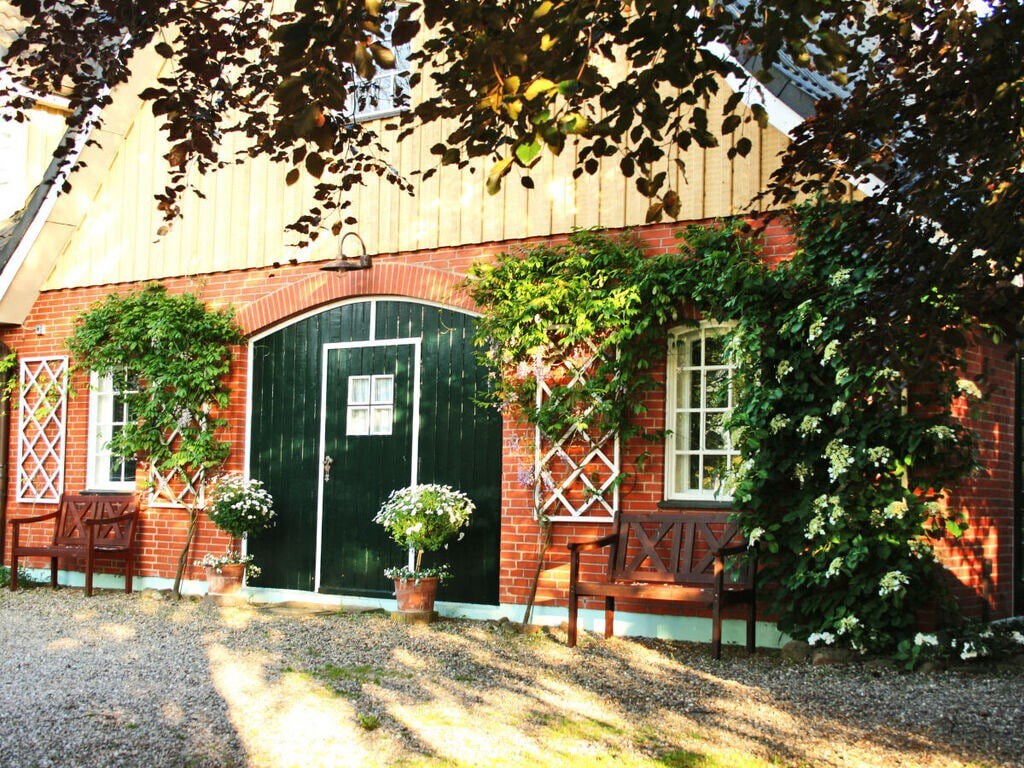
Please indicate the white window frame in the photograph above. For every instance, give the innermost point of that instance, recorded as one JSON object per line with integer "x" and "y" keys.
{"x": 677, "y": 448}
{"x": 388, "y": 80}
{"x": 101, "y": 427}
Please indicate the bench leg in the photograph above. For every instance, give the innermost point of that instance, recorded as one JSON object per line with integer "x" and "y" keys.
{"x": 609, "y": 616}
{"x": 716, "y": 629}
{"x": 129, "y": 572}
{"x": 573, "y": 606}
{"x": 88, "y": 572}
{"x": 751, "y": 624}
{"x": 14, "y": 572}
{"x": 53, "y": 572}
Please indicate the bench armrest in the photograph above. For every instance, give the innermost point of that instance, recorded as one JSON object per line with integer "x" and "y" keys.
{"x": 732, "y": 549}
{"x": 581, "y": 546}
{"x": 15, "y": 521}
{"x": 735, "y": 549}
{"x": 575, "y": 547}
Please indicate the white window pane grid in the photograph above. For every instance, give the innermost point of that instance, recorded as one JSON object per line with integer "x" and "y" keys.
{"x": 370, "y": 409}
{"x": 382, "y": 95}
{"x": 108, "y": 413}
{"x": 700, "y": 447}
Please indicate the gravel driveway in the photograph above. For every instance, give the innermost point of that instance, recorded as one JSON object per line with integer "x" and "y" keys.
{"x": 120, "y": 680}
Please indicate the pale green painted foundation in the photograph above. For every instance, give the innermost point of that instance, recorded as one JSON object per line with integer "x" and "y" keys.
{"x": 687, "y": 628}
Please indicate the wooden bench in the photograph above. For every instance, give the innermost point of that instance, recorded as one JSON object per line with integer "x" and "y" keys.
{"x": 85, "y": 526}
{"x": 672, "y": 556}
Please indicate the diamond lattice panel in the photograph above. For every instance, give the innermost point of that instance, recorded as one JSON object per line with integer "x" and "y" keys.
{"x": 576, "y": 471}
{"x": 42, "y": 427}
{"x": 174, "y": 489}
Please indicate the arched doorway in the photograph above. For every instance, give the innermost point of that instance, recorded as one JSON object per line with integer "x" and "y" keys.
{"x": 351, "y": 402}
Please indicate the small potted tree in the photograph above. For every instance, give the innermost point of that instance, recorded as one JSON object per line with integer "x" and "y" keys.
{"x": 238, "y": 507}
{"x": 422, "y": 518}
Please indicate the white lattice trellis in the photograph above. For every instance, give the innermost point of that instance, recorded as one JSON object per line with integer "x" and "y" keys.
{"x": 42, "y": 428}
{"x": 169, "y": 489}
{"x": 576, "y": 472}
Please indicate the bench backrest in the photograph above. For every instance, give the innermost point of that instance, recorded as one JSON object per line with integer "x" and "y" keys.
{"x": 672, "y": 547}
{"x": 75, "y": 509}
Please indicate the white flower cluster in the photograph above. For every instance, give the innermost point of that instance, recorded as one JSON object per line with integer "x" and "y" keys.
{"x": 778, "y": 423}
{"x": 239, "y": 506}
{"x": 834, "y": 568}
{"x": 826, "y": 638}
{"x": 755, "y": 536}
{"x": 839, "y": 457}
{"x": 892, "y": 583}
{"x": 425, "y": 516}
{"x": 830, "y": 351}
{"x": 921, "y": 639}
{"x": 847, "y": 624}
{"x": 811, "y": 425}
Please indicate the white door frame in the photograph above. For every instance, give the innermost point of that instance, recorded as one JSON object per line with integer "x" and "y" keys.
{"x": 415, "y": 343}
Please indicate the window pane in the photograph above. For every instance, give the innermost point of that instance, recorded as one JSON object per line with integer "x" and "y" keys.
{"x": 383, "y": 390}
{"x": 714, "y": 438}
{"x": 718, "y": 389}
{"x": 358, "y": 390}
{"x": 714, "y": 349}
{"x": 693, "y": 431}
{"x": 693, "y": 394}
{"x": 357, "y": 421}
{"x": 713, "y": 469}
{"x": 380, "y": 420}
{"x": 694, "y": 358}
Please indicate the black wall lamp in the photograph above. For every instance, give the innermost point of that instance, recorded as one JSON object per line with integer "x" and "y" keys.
{"x": 345, "y": 263}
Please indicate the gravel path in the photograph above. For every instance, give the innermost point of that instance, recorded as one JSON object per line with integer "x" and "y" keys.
{"x": 120, "y": 680}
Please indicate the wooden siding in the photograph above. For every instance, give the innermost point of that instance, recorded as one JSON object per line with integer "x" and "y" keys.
{"x": 241, "y": 223}
{"x": 25, "y": 152}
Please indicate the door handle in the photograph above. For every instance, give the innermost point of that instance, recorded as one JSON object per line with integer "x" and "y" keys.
{"x": 328, "y": 461}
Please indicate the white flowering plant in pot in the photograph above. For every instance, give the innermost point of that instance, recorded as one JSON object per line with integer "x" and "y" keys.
{"x": 216, "y": 563}
{"x": 238, "y": 506}
{"x": 424, "y": 518}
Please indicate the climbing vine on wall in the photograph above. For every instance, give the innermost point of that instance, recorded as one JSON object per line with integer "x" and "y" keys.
{"x": 844, "y": 382}
{"x": 168, "y": 356}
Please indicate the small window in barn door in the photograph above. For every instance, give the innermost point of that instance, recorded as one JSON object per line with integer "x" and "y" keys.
{"x": 371, "y": 405}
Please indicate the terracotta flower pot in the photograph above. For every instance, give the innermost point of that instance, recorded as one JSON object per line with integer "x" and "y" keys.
{"x": 228, "y": 581}
{"x": 416, "y": 595}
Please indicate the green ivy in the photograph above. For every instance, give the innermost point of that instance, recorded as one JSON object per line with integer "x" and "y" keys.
{"x": 169, "y": 356}
{"x": 548, "y": 309}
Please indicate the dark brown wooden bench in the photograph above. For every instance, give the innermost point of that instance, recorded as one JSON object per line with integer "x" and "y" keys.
{"x": 85, "y": 526}
{"x": 672, "y": 556}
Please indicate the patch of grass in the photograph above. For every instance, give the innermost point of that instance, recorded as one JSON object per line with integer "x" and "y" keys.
{"x": 684, "y": 758}
{"x": 368, "y": 722}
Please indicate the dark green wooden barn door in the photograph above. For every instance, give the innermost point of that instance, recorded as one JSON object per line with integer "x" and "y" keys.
{"x": 369, "y": 450}
{"x": 458, "y": 443}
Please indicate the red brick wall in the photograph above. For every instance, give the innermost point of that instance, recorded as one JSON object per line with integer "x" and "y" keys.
{"x": 981, "y": 563}
{"x": 265, "y": 297}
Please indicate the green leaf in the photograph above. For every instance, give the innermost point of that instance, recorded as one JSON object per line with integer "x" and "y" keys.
{"x": 527, "y": 152}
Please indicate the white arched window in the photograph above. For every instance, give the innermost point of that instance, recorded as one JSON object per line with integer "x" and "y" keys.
{"x": 699, "y": 451}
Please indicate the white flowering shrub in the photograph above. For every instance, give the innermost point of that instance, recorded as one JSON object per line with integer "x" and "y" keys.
{"x": 843, "y": 388}
{"x": 425, "y": 517}
{"x": 238, "y": 506}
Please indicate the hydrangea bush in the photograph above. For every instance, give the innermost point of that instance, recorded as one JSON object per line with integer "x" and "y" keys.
{"x": 844, "y": 383}
{"x": 424, "y": 518}
{"x": 238, "y": 506}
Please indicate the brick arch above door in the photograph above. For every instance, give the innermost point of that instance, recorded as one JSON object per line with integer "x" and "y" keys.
{"x": 383, "y": 279}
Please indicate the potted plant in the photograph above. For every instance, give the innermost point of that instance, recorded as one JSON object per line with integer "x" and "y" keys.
{"x": 238, "y": 507}
{"x": 226, "y": 573}
{"x": 422, "y": 518}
